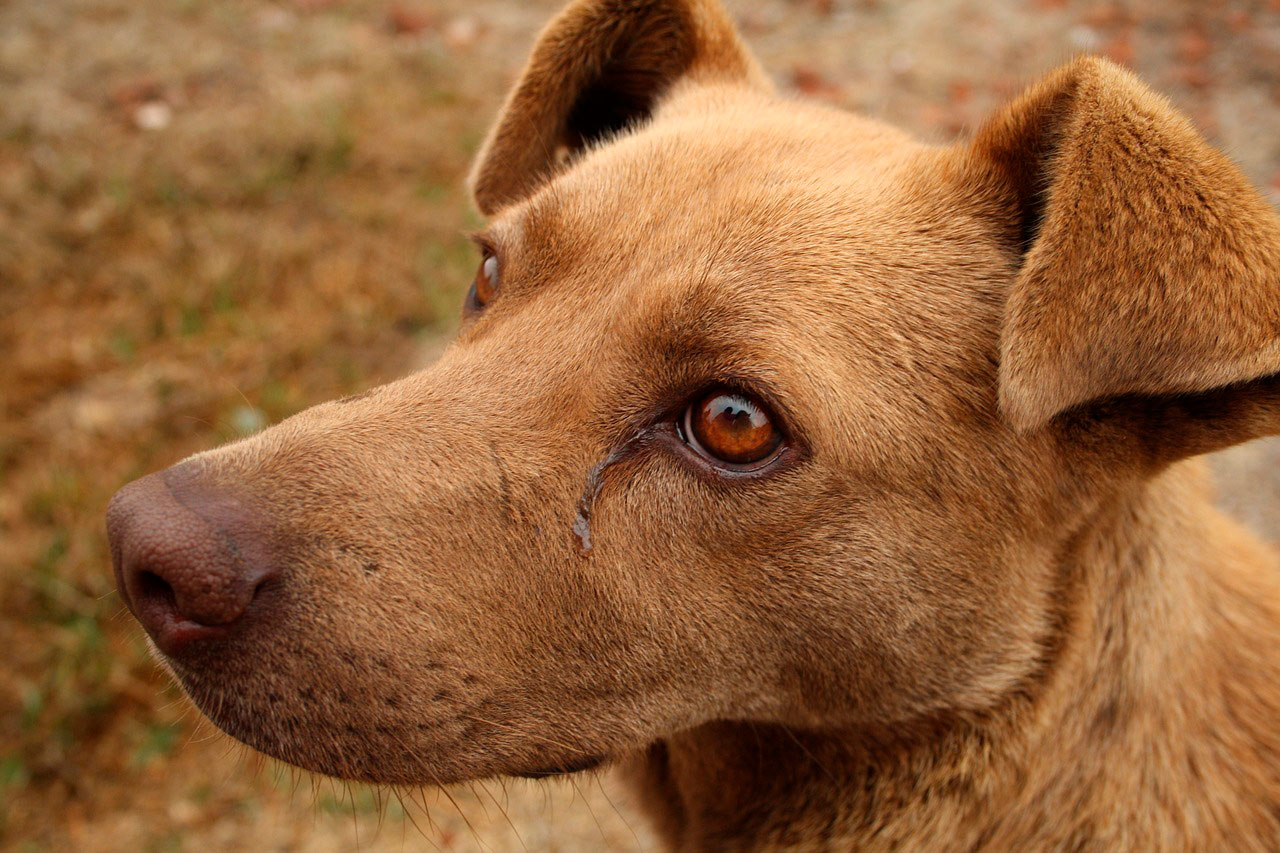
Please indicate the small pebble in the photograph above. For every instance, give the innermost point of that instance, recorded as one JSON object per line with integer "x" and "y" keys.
{"x": 153, "y": 115}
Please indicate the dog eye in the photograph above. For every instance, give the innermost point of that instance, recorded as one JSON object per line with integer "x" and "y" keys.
{"x": 485, "y": 286}
{"x": 732, "y": 428}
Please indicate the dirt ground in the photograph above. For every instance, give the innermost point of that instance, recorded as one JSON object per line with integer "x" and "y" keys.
{"x": 214, "y": 213}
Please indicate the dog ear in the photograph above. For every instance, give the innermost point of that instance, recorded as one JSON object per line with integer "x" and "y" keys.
{"x": 1150, "y": 267}
{"x": 599, "y": 67}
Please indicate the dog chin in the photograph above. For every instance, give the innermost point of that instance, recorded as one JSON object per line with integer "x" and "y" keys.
{"x": 379, "y": 755}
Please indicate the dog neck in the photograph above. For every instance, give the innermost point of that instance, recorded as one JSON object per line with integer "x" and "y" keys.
{"x": 1151, "y": 724}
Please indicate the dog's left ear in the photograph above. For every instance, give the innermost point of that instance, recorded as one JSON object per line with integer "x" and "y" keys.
{"x": 599, "y": 67}
{"x": 1150, "y": 268}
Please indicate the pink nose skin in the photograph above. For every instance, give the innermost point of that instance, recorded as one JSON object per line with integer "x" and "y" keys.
{"x": 192, "y": 563}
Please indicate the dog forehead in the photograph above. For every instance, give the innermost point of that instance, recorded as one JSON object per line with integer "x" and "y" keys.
{"x": 723, "y": 177}
{"x": 742, "y": 160}
{"x": 732, "y": 199}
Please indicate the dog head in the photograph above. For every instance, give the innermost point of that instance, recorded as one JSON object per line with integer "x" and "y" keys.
{"x": 759, "y": 411}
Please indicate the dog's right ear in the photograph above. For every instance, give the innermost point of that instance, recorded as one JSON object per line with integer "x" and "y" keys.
{"x": 598, "y": 68}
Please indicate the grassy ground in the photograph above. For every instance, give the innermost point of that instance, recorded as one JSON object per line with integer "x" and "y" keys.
{"x": 214, "y": 213}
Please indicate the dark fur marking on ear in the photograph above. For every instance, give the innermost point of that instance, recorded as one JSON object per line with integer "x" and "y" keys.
{"x": 653, "y": 48}
{"x": 603, "y": 110}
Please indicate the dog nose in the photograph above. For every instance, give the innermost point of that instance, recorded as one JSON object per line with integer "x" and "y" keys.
{"x": 190, "y": 561}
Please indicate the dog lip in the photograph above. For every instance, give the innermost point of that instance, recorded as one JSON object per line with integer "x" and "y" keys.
{"x": 578, "y": 765}
{"x": 174, "y": 636}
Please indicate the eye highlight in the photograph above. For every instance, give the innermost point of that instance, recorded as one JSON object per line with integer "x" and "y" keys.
{"x": 732, "y": 429}
{"x": 484, "y": 289}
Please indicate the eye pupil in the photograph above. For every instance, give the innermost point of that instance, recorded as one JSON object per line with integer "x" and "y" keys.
{"x": 731, "y": 427}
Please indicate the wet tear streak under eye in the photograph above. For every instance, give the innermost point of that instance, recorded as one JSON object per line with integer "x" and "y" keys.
{"x": 595, "y": 484}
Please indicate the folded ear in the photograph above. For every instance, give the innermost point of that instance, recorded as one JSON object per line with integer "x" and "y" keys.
{"x": 1151, "y": 267}
{"x": 599, "y": 67}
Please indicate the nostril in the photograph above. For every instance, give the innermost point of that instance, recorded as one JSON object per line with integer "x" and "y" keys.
{"x": 260, "y": 586}
{"x": 153, "y": 588}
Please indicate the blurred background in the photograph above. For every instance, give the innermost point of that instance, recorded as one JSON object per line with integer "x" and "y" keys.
{"x": 214, "y": 213}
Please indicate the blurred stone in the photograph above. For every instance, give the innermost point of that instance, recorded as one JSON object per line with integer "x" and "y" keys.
{"x": 462, "y": 32}
{"x": 807, "y": 79}
{"x": 183, "y": 812}
{"x": 153, "y": 115}
{"x": 89, "y": 219}
{"x": 405, "y": 20}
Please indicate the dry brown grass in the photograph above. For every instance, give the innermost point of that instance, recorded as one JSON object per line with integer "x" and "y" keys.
{"x": 292, "y": 234}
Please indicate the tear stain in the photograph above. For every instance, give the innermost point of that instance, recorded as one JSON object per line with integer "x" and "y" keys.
{"x": 595, "y": 484}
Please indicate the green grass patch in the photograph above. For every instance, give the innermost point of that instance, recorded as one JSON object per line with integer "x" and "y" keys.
{"x": 158, "y": 741}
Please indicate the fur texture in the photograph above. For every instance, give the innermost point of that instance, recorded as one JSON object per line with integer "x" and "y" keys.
{"x": 985, "y": 603}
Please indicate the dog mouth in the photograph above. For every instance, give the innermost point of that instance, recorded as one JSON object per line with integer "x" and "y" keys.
{"x": 351, "y": 744}
{"x": 577, "y": 765}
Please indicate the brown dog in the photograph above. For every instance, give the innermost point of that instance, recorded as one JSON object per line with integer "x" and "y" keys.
{"x": 830, "y": 483}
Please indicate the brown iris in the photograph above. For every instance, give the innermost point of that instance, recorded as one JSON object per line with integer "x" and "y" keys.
{"x": 733, "y": 427}
{"x": 485, "y": 287}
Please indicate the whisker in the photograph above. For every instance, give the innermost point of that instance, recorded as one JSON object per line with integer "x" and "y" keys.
{"x": 355, "y": 822}
{"x": 471, "y": 786}
{"x": 505, "y": 816}
{"x": 618, "y": 812}
{"x": 382, "y": 814}
{"x": 599, "y": 826}
{"x": 409, "y": 814}
{"x": 426, "y": 810}
{"x": 460, "y": 812}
